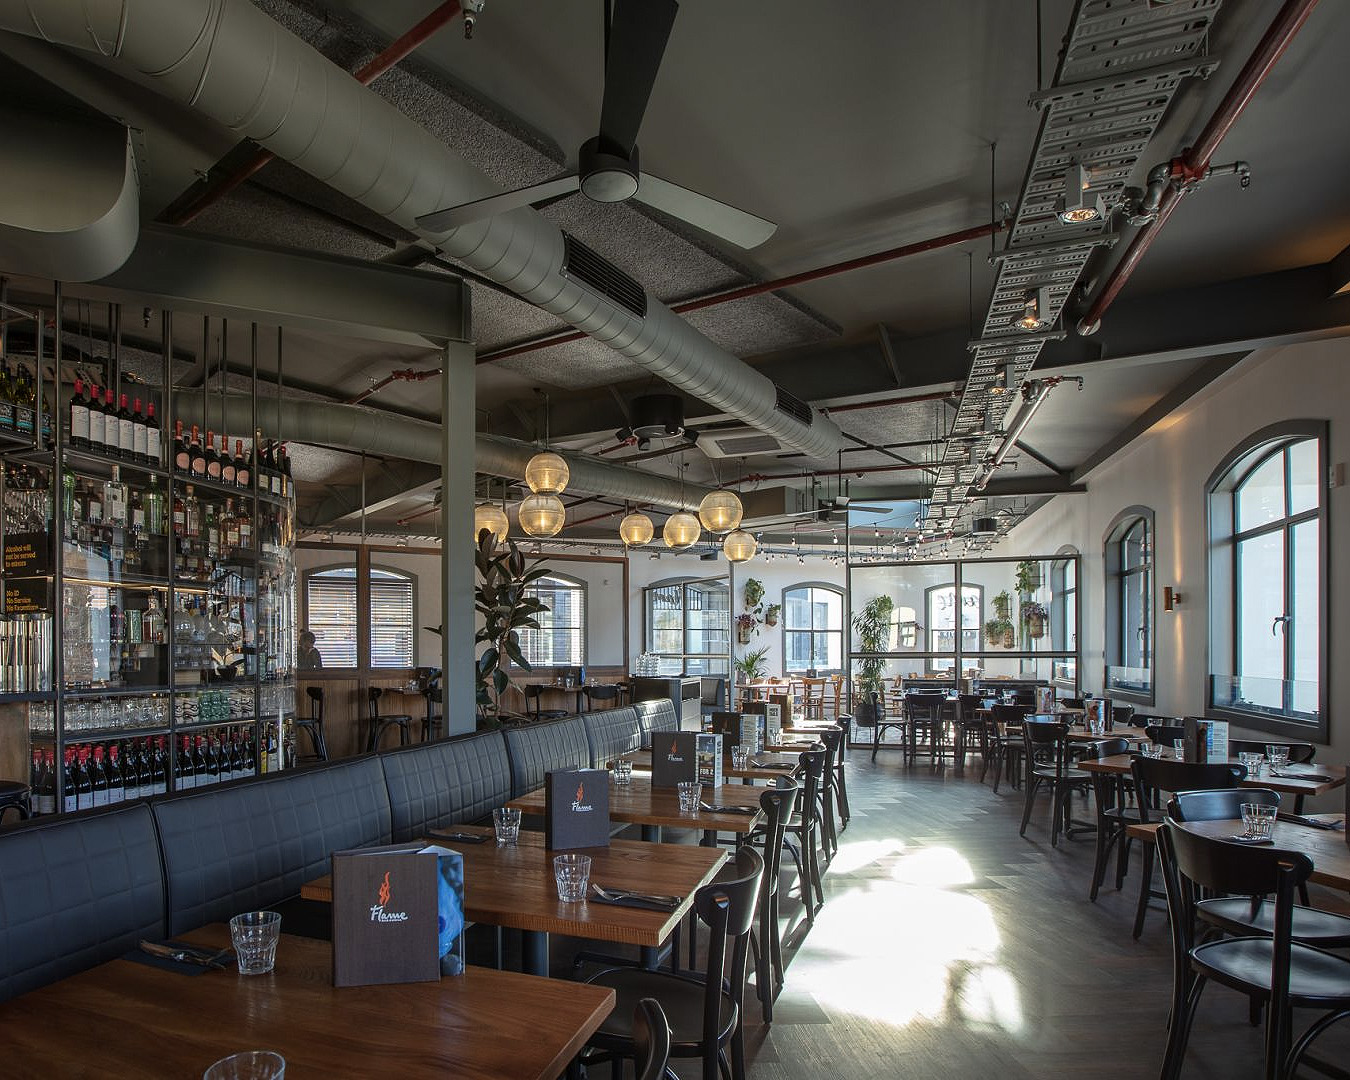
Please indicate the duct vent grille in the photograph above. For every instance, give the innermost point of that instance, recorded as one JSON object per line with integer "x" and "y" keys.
{"x": 793, "y": 406}
{"x": 582, "y": 264}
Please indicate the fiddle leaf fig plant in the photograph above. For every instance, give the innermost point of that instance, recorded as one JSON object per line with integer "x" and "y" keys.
{"x": 500, "y": 598}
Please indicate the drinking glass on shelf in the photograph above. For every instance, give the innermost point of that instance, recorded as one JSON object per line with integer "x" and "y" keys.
{"x": 1257, "y": 820}
{"x": 572, "y": 875}
{"x": 1278, "y": 756}
{"x": 690, "y": 792}
{"x": 255, "y": 935}
{"x": 248, "y": 1065}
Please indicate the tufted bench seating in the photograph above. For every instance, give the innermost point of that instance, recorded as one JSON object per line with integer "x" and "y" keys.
{"x": 433, "y": 785}
{"x": 534, "y": 749}
{"x": 610, "y": 733}
{"x": 654, "y": 716}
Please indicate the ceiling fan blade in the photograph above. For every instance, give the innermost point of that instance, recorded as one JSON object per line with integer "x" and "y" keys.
{"x": 638, "y": 33}
{"x": 454, "y": 216}
{"x": 718, "y": 218}
{"x": 888, "y": 510}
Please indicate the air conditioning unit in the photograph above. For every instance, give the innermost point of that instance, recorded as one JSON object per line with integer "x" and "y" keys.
{"x": 984, "y": 526}
{"x": 774, "y": 504}
{"x": 737, "y": 442}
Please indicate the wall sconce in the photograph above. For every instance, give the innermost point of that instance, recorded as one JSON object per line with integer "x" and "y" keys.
{"x": 1171, "y": 598}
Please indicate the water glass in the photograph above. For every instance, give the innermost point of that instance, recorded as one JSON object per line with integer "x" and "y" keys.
{"x": 1257, "y": 820}
{"x": 255, "y": 935}
{"x": 740, "y": 756}
{"x": 1253, "y": 763}
{"x": 248, "y": 1065}
{"x": 1179, "y": 749}
{"x": 1151, "y": 750}
{"x": 1278, "y": 756}
{"x": 572, "y": 873}
{"x": 691, "y": 791}
{"x": 623, "y": 772}
{"x": 506, "y": 821}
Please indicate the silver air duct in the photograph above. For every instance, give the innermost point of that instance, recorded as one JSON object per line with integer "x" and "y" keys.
{"x": 353, "y": 428}
{"x": 232, "y": 62}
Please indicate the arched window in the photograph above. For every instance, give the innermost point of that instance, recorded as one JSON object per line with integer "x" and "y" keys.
{"x": 332, "y": 613}
{"x": 560, "y": 640}
{"x": 813, "y": 629}
{"x": 1064, "y": 614}
{"x": 688, "y": 625}
{"x": 1268, "y": 549}
{"x": 1128, "y": 558}
{"x": 943, "y": 619}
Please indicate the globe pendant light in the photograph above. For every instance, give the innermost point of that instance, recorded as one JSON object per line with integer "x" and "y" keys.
{"x": 681, "y": 531}
{"x": 492, "y": 517}
{"x": 720, "y": 511}
{"x": 547, "y": 473}
{"x": 739, "y": 546}
{"x": 636, "y": 529}
{"x": 542, "y": 515}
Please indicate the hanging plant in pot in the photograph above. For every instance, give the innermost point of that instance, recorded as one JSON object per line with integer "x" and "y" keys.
{"x": 999, "y": 633}
{"x": 771, "y": 614}
{"x": 754, "y": 593}
{"x": 1003, "y": 606}
{"x": 1033, "y": 614}
{"x": 746, "y": 625}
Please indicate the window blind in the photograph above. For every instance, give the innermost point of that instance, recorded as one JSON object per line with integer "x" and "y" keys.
{"x": 330, "y": 602}
{"x": 391, "y": 620}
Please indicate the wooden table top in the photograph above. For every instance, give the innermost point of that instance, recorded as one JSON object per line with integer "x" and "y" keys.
{"x": 1326, "y": 847}
{"x": 1119, "y": 764}
{"x": 132, "y": 1021}
{"x": 513, "y": 886}
{"x": 1082, "y": 735}
{"x": 771, "y": 768}
{"x": 796, "y": 746}
{"x": 641, "y": 804}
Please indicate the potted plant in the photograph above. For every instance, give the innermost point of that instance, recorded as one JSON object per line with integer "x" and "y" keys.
{"x": 1033, "y": 615}
{"x": 754, "y": 593}
{"x": 1003, "y": 606}
{"x": 499, "y": 597}
{"x": 750, "y": 666}
{"x": 746, "y": 625}
{"x": 1028, "y": 578}
{"x": 872, "y": 624}
{"x": 771, "y": 614}
{"x": 999, "y": 632}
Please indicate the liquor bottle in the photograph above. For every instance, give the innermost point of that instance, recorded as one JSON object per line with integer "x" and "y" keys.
{"x": 25, "y": 404}
{"x": 181, "y": 461}
{"x": 197, "y": 454}
{"x": 69, "y": 782}
{"x": 179, "y": 517}
{"x": 212, "y": 458}
{"x": 98, "y": 779}
{"x": 154, "y": 447}
{"x": 211, "y": 530}
{"x": 242, "y": 474}
{"x": 84, "y": 782}
{"x": 152, "y": 622}
{"x": 97, "y": 421}
{"x": 192, "y": 515}
{"x": 229, "y": 528}
{"x": 79, "y": 418}
{"x": 117, "y": 786}
{"x": 186, "y": 767}
{"x": 126, "y": 428}
{"x": 287, "y": 481}
{"x": 152, "y": 501}
{"x": 245, "y": 531}
{"x": 6, "y": 401}
{"x": 139, "y": 452}
{"x": 115, "y": 500}
{"x": 112, "y": 425}
{"x": 71, "y": 523}
{"x": 228, "y": 468}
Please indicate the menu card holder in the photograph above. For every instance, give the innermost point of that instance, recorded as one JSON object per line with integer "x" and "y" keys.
{"x": 1196, "y": 734}
{"x": 708, "y": 754}
{"x": 1045, "y": 699}
{"x": 576, "y": 808}
{"x": 674, "y": 758}
{"x": 398, "y": 915}
{"x": 729, "y": 726}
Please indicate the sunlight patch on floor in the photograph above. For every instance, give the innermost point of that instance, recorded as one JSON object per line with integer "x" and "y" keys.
{"x": 853, "y": 857}
{"x": 936, "y": 867}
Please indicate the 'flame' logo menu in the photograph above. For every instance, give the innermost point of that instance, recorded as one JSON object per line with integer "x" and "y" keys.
{"x": 579, "y": 804}
{"x": 377, "y": 909}
{"x": 383, "y": 897}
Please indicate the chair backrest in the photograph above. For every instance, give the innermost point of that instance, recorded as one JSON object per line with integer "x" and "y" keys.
{"x": 444, "y": 783}
{"x": 777, "y": 803}
{"x": 1122, "y": 715}
{"x": 728, "y": 908}
{"x": 1046, "y": 743}
{"x": 373, "y": 696}
{"x": 813, "y": 690}
{"x": 969, "y": 704}
{"x": 1103, "y": 748}
{"x": 1009, "y": 714}
{"x": 651, "y": 1037}
{"x": 315, "y": 695}
{"x": 534, "y": 749}
{"x": 1153, "y": 775}
{"x": 810, "y": 768}
{"x": 611, "y": 733}
{"x": 656, "y": 716}
{"x": 1218, "y": 805}
{"x": 1300, "y": 753}
{"x": 712, "y": 690}
{"x": 603, "y": 692}
{"x": 833, "y": 738}
{"x": 1164, "y": 734}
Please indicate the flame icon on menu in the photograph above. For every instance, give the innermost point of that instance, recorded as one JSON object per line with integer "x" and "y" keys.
{"x": 674, "y": 746}
{"x": 581, "y": 792}
{"x": 384, "y": 889}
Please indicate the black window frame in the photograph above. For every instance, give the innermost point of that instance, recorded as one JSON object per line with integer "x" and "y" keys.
{"x": 1117, "y": 582}
{"x": 573, "y": 583}
{"x": 684, "y": 583}
{"x": 812, "y": 631}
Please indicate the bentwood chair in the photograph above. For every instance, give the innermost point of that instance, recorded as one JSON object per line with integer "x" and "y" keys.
{"x": 1153, "y": 776}
{"x": 17, "y": 796}
{"x": 833, "y": 739}
{"x": 312, "y": 724}
{"x": 1048, "y": 763}
{"x": 804, "y": 828}
{"x": 705, "y": 1009}
{"x": 606, "y": 695}
{"x": 651, "y": 1039}
{"x": 813, "y": 698}
{"x": 1273, "y": 969}
{"x": 533, "y": 692}
{"x": 1115, "y": 813}
{"x": 1007, "y": 722}
{"x": 890, "y": 715}
{"x": 777, "y": 803}
{"x": 379, "y": 724}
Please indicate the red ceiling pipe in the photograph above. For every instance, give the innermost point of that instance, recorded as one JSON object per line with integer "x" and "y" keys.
{"x": 1195, "y": 159}
{"x": 404, "y": 374}
{"x": 759, "y": 288}
{"x": 753, "y": 478}
{"x": 367, "y": 74}
{"x": 912, "y": 399}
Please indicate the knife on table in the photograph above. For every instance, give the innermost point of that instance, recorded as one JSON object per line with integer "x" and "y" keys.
{"x": 184, "y": 956}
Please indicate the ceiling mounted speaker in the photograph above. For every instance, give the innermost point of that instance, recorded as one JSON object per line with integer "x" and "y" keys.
{"x": 984, "y": 526}
{"x": 542, "y": 515}
{"x": 492, "y": 517}
{"x": 636, "y": 529}
{"x": 681, "y": 531}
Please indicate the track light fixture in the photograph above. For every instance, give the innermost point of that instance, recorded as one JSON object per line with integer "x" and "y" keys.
{"x": 1036, "y": 311}
{"x": 1073, "y": 208}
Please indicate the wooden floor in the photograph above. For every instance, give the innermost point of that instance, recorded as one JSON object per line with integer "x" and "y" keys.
{"x": 951, "y": 947}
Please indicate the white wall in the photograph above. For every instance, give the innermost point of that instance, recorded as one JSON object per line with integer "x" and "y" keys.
{"x": 1167, "y": 470}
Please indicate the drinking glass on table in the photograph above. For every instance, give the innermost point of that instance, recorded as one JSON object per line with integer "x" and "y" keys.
{"x": 1179, "y": 749}
{"x": 1257, "y": 820}
{"x": 1151, "y": 750}
{"x": 1253, "y": 763}
{"x": 506, "y": 823}
{"x": 690, "y": 793}
{"x": 255, "y": 935}
{"x": 572, "y": 875}
{"x": 740, "y": 756}
{"x": 623, "y": 772}
{"x": 248, "y": 1065}
{"x": 1278, "y": 756}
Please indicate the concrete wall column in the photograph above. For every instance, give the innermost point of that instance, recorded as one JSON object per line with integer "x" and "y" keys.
{"x": 457, "y": 542}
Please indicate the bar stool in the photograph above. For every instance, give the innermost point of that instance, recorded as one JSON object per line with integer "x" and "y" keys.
{"x": 607, "y": 694}
{"x": 378, "y": 723}
{"x": 431, "y": 725}
{"x": 313, "y": 723}
{"x": 14, "y": 795}
{"x": 532, "y": 692}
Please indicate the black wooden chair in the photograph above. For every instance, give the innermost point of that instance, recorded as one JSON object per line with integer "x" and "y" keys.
{"x": 1274, "y": 969}
{"x": 777, "y": 803}
{"x": 312, "y": 724}
{"x": 379, "y": 724}
{"x": 886, "y": 720}
{"x": 833, "y": 739}
{"x": 1045, "y": 744}
{"x": 435, "y": 718}
{"x": 804, "y": 828}
{"x": 651, "y": 1038}
{"x": 1112, "y": 796}
{"x": 1154, "y": 776}
{"x": 533, "y": 692}
{"x": 705, "y": 1009}
{"x": 1165, "y": 734}
{"x": 606, "y": 695}
{"x": 17, "y": 796}
{"x": 927, "y": 714}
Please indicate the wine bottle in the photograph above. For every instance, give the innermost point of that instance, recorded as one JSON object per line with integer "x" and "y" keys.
{"x": 154, "y": 448}
{"x": 79, "y": 418}
{"x": 6, "y": 401}
{"x": 159, "y": 767}
{"x": 84, "y": 782}
{"x": 241, "y": 469}
{"x": 139, "y": 453}
{"x": 98, "y": 779}
{"x": 212, "y": 458}
{"x": 117, "y": 788}
{"x": 69, "y": 783}
{"x": 187, "y": 768}
{"x": 197, "y": 453}
{"x": 97, "y": 421}
{"x": 181, "y": 462}
{"x": 202, "y": 764}
{"x": 25, "y": 404}
{"x": 112, "y": 425}
{"x": 46, "y": 791}
{"x": 126, "y": 428}
{"x": 227, "y": 465}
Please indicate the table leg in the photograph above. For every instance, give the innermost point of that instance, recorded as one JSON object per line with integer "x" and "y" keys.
{"x": 534, "y": 952}
{"x": 709, "y": 838}
{"x": 651, "y": 957}
{"x": 651, "y": 833}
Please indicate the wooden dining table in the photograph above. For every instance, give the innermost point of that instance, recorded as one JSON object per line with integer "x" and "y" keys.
{"x": 1297, "y": 780}
{"x": 1326, "y": 847}
{"x": 639, "y": 803}
{"x": 130, "y": 1020}
{"x": 770, "y": 767}
{"x": 512, "y": 886}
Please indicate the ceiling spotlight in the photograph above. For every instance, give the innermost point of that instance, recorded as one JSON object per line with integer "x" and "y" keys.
{"x": 720, "y": 511}
{"x": 1035, "y": 312}
{"x": 1073, "y": 208}
{"x": 636, "y": 529}
{"x": 1003, "y": 379}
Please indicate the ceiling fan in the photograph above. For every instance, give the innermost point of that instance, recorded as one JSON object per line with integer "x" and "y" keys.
{"x": 636, "y": 32}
